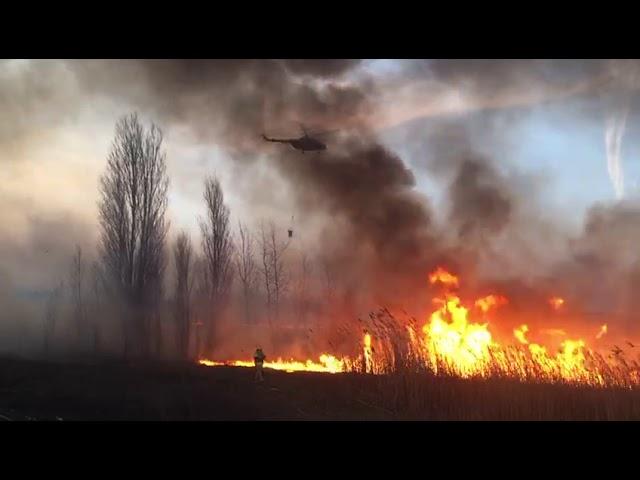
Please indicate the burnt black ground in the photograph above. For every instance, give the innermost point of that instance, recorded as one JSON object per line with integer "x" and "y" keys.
{"x": 110, "y": 390}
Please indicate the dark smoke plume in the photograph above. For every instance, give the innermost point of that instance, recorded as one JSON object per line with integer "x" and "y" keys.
{"x": 378, "y": 232}
{"x": 381, "y": 229}
{"x": 358, "y": 182}
{"x": 231, "y": 101}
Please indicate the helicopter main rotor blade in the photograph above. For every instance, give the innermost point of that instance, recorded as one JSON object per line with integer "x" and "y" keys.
{"x": 322, "y": 133}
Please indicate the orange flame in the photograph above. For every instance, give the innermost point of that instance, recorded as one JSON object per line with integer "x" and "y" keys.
{"x": 368, "y": 354}
{"x": 490, "y": 301}
{"x": 520, "y": 332}
{"x": 452, "y": 343}
{"x": 444, "y": 277}
{"x": 554, "y": 332}
{"x": 327, "y": 364}
{"x": 451, "y": 339}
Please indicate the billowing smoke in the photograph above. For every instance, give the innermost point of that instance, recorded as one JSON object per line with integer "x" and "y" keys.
{"x": 230, "y": 101}
{"x": 614, "y": 131}
{"x": 382, "y": 231}
{"x": 365, "y": 188}
{"x": 358, "y": 200}
{"x": 625, "y": 79}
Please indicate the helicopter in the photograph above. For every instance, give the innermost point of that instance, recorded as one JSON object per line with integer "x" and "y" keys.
{"x": 305, "y": 143}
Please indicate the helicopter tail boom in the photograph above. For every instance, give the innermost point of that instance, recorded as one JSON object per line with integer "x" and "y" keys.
{"x": 279, "y": 140}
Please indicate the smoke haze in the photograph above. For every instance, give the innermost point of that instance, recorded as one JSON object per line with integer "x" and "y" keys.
{"x": 359, "y": 206}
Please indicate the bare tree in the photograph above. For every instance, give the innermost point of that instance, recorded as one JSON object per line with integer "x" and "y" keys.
{"x": 201, "y": 303}
{"x": 217, "y": 247}
{"x": 329, "y": 280}
{"x": 76, "y": 285}
{"x": 302, "y": 287}
{"x": 280, "y": 278}
{"x": 266, "y": 268}
{"x": 246, "y": 267}
{"x": 132, "y": 206}
{"x": 51, "y": 315}
{"x": 183, "y": 257}
{"x": 273, "y": 268}
{"x": 97, "y": 289}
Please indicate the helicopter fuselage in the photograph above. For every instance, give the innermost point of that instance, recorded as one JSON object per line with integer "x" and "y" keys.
{"x": 305, "y": 143}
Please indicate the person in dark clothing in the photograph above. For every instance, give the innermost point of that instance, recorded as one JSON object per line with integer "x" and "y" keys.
{"x": 258, "y": 360}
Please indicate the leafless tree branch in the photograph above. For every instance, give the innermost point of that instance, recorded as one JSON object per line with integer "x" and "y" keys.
{"x": 246, "y": 267}
{"x": 183, "y": 258}
{"x": 217, "y": 247}
{"x": 132, "y": 206}
{"x": 76, "y": 285}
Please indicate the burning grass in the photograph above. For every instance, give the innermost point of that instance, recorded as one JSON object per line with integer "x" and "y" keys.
{"x": 456, "y": 341}
{"x": 424, "y": 396}
{"x": 326, "y": 364}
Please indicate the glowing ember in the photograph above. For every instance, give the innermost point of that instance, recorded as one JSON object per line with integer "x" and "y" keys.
{"x": 603, "y": 330}
{"x": 556, "y": 303}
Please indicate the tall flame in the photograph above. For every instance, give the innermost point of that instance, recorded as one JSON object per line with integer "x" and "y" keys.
{"x": 368, "y": 353}
{"x": 452, "y": 343}
{"x": 452, "y": 339}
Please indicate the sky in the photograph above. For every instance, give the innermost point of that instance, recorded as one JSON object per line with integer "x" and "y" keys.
{"x": 564, "y": 138}
{"x": 58, "y": 119}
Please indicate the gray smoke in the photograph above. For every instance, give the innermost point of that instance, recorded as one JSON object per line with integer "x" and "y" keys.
{"x": 231, "y": 101}
{"x": 360, "y": 197}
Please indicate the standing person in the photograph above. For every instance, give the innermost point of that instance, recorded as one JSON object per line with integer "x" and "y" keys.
{"x": 258, "y": 360}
